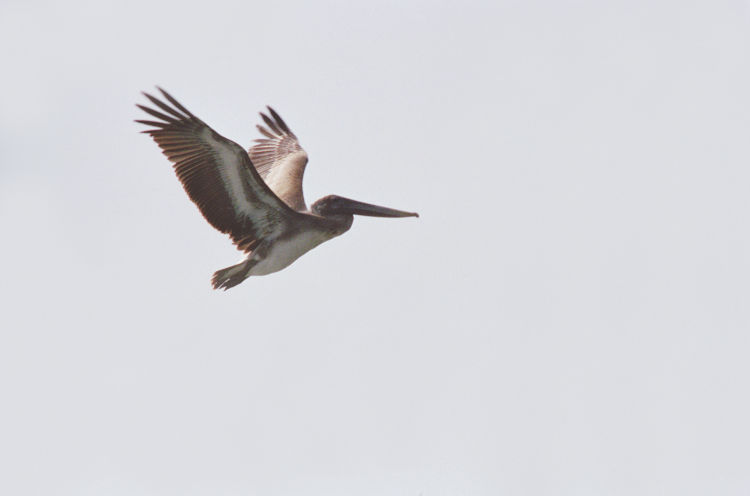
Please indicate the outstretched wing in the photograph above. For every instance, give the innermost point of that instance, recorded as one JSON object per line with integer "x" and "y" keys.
{"x": 217, "y": 174}
{"x": 280, "y": 160}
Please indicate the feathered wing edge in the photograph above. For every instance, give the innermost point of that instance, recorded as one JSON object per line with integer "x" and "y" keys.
{"x": 279, "y": 143}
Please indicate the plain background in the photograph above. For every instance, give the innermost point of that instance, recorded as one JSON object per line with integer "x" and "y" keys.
{"x": 569, "y": 316}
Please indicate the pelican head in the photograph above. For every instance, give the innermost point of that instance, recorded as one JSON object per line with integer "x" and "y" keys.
{"x": 333, "y": 205}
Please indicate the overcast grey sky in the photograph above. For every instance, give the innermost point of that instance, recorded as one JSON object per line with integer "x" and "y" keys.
{"x": 568, "y": 316}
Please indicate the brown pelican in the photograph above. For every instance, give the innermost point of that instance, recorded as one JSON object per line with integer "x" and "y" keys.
{"x": 256, "y": 196}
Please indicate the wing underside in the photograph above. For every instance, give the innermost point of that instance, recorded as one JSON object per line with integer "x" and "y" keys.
{"x": 280, "y": 160}
{"x": 217, "y": 174}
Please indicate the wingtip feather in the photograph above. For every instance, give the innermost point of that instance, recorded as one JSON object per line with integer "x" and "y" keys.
{"x": 174, "y": 102}
{"x": 279, "y": 121}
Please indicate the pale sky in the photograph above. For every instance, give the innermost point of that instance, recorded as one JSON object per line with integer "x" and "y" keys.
{"x": 568, "y": 316}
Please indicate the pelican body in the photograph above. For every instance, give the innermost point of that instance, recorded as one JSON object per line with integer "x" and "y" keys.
{"x": 254, "y": 196}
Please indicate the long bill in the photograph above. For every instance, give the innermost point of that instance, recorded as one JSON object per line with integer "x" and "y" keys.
{"x": 360, "y": 208}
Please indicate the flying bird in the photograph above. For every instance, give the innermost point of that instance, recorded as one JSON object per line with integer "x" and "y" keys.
{"x": 254, "y": 196}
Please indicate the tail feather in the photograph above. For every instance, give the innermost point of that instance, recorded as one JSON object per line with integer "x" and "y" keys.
{"x": 230, "y": 276}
